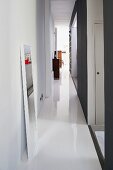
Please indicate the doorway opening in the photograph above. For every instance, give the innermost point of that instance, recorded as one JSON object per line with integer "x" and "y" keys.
{"x": 63, "y": 46}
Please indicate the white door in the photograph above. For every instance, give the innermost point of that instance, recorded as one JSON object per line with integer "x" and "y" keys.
{"x": 99, "y": 63}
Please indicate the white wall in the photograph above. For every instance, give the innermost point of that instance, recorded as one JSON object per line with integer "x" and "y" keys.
{"x": 41, "y": 57}
{"x": 62, "y": 37}
{"x": 95, "y": 15}
{"x": 56, "y": 39}
{"x": 48, "y": 47}
{"x": 52, "y": 37}
{"x": 19, "y": 24}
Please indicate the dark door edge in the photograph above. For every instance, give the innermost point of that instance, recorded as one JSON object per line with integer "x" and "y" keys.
{"x": 97, "y": 147}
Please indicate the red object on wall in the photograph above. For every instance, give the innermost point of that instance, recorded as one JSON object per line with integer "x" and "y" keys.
{"x": 27, "y": 61}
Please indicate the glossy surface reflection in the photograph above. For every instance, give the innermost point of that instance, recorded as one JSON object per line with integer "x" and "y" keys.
{"x": 64, "y": 141}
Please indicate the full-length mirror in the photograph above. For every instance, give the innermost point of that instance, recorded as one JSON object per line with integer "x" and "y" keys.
{"x": 29, "y": 102}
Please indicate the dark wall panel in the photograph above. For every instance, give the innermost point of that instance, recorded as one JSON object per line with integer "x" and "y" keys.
{"x": 81, "y": 9}
{"x": 73, "y": 14}
{"x": 108, "y": 35}
{"x": 82, "y": 53}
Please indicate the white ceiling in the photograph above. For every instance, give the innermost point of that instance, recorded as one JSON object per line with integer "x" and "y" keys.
{"x": 62, "y": 11}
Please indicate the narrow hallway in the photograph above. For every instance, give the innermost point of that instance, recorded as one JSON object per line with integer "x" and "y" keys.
{"x": 64, "y": 141}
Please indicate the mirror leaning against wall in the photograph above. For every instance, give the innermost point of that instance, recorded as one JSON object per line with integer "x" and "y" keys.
{"x": 29, "y": 102}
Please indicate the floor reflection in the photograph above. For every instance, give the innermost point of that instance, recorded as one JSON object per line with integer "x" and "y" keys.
{"x": 64, "y": 141}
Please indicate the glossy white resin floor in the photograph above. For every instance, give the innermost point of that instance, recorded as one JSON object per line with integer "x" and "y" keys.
{"x": 64, "y": 141}
{"x": 101, "y": 140}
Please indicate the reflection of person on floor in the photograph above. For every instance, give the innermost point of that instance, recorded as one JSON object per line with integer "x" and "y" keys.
{"x": 56, "y": 92}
